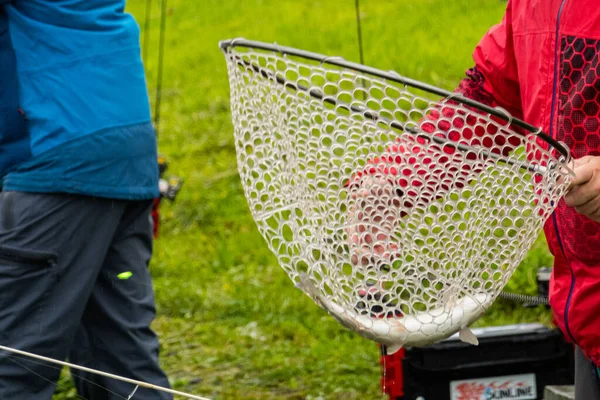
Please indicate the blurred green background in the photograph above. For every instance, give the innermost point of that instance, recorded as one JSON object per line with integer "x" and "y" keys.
{"x": 232, "y": 324}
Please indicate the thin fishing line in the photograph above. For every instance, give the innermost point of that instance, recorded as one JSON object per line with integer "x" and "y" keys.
{"x": 46, "y": 364}
{"x": 106, "y": 374}
{"x": 35, "y": 373}
{"x": 359, "y": 31}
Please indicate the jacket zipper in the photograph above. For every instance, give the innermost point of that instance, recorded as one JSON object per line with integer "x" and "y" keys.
{"x": 554, "y": 221}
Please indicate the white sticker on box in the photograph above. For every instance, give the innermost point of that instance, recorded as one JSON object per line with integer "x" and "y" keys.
{"x": 513, "y": 387}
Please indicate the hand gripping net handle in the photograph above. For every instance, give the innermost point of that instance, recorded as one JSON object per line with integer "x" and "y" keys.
{"x": 402, "y": 216}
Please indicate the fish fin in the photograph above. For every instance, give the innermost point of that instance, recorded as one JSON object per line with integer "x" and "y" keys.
{"x": 467, "y": 336}
{"x": 392, "y": 349}
{"x": 308, "y": 287}
{"x": 449, "y": 299}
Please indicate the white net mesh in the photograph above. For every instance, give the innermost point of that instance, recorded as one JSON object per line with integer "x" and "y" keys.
{"x": 401, "y": 238}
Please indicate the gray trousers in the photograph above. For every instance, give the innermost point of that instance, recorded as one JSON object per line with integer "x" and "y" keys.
{"x": 63, "y": 295}
{"x": 587, "y": 381}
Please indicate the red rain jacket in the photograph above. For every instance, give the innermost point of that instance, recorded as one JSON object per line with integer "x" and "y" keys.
{"x": 542, "y": 64}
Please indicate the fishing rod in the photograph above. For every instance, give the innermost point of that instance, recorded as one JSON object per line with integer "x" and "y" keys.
{"x": 102, "y": 373}
{"x": 169, "y": 188}
{"x": 159, "y": 78}
{"x": 147, "y": 31}
{"x": 161, "y": 52}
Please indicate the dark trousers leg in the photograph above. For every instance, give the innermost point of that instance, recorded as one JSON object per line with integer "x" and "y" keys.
{"x": 115, "y": 334}
{"x": 587, "y": 383}
{"x": 53, "y": 251}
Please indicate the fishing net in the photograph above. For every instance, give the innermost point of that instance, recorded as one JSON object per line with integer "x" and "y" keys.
{"x": 399, "y": 208}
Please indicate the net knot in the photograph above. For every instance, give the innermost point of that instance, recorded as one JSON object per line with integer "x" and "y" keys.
{"x": 398, "y": 77}
{"x": 451, "y": 96}
{"x": 330, "y": 58}
{"x": 279, "y": 49}
{"x": 232, "y": 45}
{"x": 509, "y": 117}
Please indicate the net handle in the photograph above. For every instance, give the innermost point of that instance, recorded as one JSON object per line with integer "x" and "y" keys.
{"x": 226, "y": 45}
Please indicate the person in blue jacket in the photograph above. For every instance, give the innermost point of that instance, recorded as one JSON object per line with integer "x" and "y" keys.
{"x": 78, "y": 172}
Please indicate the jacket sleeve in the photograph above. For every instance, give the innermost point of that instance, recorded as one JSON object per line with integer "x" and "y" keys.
{"x": 14, "y": 141}
{"x": 418, "y": 169}
{"x": 496, "y": 67}
{"x": 493, "y": 81}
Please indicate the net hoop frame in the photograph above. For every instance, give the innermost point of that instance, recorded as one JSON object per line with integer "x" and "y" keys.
{"x": 498, "y": 112}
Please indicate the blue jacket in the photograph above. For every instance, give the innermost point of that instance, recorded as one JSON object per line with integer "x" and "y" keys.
{"x": 74, "y": 109}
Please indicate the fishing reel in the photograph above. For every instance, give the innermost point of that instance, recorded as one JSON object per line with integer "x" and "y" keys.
{"x": 168, "y": 187}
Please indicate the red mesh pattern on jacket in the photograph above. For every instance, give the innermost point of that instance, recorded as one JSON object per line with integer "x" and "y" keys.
{"x": 472, "y": 87}
{"x": 578, "y": 123}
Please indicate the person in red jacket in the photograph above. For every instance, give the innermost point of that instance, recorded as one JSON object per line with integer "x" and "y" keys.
{"x": 544, "y": 67}
{"x": 542, "y": 64}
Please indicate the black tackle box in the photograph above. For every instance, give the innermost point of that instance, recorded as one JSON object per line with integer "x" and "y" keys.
{"x": 511, "y": 362}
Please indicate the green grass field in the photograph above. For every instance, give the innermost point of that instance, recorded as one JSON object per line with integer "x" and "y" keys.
{"x": 231, "y": 322}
